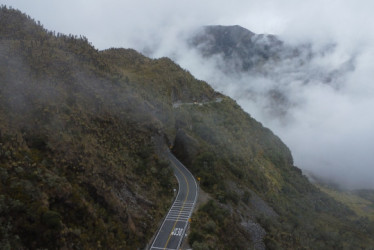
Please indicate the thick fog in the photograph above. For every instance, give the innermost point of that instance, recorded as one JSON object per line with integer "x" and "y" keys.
{"x": 325, "y": 115}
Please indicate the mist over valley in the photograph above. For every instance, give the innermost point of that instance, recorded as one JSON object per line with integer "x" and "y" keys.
{"x": 317, "y": 98}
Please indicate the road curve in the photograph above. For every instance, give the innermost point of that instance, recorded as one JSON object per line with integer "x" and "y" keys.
{"x": 173, "y": 228}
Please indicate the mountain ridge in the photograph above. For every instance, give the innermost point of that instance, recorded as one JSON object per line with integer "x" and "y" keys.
{"x": 79, "y": 165}
{"x": 242, "y": 49}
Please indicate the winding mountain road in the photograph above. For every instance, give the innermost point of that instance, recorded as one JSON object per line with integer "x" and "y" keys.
{"x": 173, "y": 228}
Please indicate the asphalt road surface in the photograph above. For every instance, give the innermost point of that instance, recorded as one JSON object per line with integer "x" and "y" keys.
{"x": 173, "y": 228}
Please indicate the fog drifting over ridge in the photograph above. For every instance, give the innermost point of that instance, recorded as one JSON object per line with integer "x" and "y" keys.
{"x": 328, "y": 127}
{"x": 328, "y": 124}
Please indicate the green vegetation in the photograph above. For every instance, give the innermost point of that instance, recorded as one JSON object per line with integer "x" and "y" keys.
{"x": 78, "y": 168}
{"x": 360, "y": 201}
{"x": 214, "y": 227}
{"x": 79, "y": 162}
{"x": 234, "y": 148}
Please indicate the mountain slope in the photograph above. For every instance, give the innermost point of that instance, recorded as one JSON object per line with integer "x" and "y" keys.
{"x": 80, "y": 133}
{"x": 241, "y": 49}
{"x": 79, "y": 168}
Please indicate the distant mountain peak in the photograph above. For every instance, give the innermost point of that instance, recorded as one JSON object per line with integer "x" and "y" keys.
{"x": 232, "y": 30}
{"x": 235, "y": 42}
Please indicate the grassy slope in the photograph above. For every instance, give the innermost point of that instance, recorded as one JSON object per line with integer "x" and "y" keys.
{"x": 78, "y": 166}
{"x": 360, "y": 201}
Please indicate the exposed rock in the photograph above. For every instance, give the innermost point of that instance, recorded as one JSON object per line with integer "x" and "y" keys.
{"x": 257, "y": 234}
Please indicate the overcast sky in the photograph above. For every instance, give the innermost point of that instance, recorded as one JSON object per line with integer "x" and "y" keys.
{"x": 332, "y": 133}
{"x": 124, "y": 23}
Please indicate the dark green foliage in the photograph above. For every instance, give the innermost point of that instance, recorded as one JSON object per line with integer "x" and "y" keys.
{"x": 79, "y": 162}
{"x": 234, "y": 148}
{"x": 213, "y": 228}
{"x": 52, "y": 219}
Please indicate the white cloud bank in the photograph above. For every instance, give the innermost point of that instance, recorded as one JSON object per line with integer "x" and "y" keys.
{"x": 330, "y": 127}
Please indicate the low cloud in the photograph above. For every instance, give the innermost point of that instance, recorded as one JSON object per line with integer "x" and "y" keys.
{"x": 325, "y": 116}
{"x": 325, "y": 113}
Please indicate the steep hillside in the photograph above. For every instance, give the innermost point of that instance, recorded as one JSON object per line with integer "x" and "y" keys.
{"x": 78, "y": 166}
{"x": 241, "y": 164}
{"x": 79, "y": 162}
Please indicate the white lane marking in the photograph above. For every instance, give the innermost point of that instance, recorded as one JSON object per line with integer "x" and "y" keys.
{"x": 179, "y": 203}
{"x": 175, "y": 220}
{"x": 176, "y": 216}
{"x": 177, "y": 231}
{"x": 179, "y": 206}
{"x": 181, "y": 214}
{"x": 163, "y": 248}
{"x": 196, "y": 193}
{"x": 181, "y": 210}
{"x": 187, "y": 202}
{"x": 154, "y": 240}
